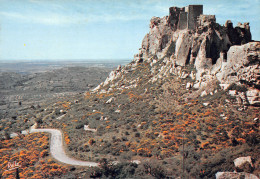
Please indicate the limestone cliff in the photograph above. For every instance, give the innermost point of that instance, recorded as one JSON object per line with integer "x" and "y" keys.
{"x": 220, "y": 53}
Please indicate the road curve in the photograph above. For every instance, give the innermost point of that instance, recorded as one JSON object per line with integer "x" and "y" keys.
{"x": 57, "y": 150}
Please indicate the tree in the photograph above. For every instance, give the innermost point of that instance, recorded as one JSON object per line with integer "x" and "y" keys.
{"x": 38, "y": 121}
{"x": 7, "y": 136}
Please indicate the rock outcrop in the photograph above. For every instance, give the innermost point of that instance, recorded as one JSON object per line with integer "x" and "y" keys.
{"x": 242, "y": 65}
{"x": 234, "y": 175}
{"x": 241, "y": 162}
{"x": 219, "y": 53}
{"x": 253, "y": 96}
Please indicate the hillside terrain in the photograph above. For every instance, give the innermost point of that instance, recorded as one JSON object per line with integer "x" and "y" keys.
{"x": 22, "y": 93}
{"x": 186, "y": 106}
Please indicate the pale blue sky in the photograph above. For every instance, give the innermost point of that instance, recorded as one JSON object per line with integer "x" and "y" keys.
{"x": 97, "y": 29}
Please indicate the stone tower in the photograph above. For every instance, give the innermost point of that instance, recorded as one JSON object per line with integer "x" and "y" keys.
{"x": 185, "y": 17}
{"x": 193, "y": 11}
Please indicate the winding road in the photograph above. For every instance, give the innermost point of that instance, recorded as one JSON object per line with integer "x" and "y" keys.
{"x": 57, "y": 150}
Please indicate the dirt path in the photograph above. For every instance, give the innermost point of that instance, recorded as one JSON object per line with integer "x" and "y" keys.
{"x": 57, "y": 150}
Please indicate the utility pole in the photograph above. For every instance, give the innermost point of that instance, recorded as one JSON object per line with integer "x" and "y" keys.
{"x": 17, "y": 173}
{"x": 183, "y": 154}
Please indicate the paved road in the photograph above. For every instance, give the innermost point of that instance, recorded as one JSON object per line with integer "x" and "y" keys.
{"x": 57, "y": 150}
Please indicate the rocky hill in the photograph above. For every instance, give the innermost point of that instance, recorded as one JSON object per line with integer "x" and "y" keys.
{"x": 218, "y": 54}
{"x": 186, "y": 106}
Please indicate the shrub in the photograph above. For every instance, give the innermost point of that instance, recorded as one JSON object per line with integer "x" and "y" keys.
{"x": 44, "y": 153}
{"x": 124, "y": 138}
{"x": 38, "y": 121}
{"x": 127, "y": 127}
{"x": 152, "y": 168}
{"x": 91, "y": 141}
{"x": 79, "y": 126}
{"x": 108, "y": 170}
{"x": 137, "y": 134}
{"x": 252, "y": 139}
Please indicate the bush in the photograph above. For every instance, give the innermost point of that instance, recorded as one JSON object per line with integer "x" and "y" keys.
{"x": 137, "y": 134}
{"x": 108, "y": 170}
{"x": 252, "y": 139}
{"x": 152, "y": 168}
{"x": 6, "y": 135}
{"x": 14, "y": 117}
{"x": 38, "y": 121}
{"x": 91, "y": 141}
{"x": 124, "y": 138}
{"x": 79, "y": 126}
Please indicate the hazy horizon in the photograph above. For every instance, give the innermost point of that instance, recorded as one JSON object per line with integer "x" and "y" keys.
{"x": 63, "y": 60}
{"x": 87, "y": 29}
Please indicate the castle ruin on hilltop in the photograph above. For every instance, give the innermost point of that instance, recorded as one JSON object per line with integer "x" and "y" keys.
{"x": 187, "y": 33}
{"x": 188, "y": 17}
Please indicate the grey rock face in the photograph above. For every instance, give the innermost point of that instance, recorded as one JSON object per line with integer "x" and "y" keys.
{"x": 241, "y": 160}
{"x": 224, "y": 52}
{"x": 242, "y": 65}
{"x": 218, "y": 53}
{"x": 183, "y": 48}
{"x": 158, "y": 37}
{"x": 208, "y": 36}
{"x": 253, "y": 96}
{"x": 234, "y": 175}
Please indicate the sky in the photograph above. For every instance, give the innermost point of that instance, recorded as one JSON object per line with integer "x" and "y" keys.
{"x": 97, "y": 29}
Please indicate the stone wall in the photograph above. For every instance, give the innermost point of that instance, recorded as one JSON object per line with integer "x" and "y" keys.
{"x": 205, "y": 20}
{"x": 183, "y": 20}
{"x": 194, "y": 11}
{"x": 174, "y": 13}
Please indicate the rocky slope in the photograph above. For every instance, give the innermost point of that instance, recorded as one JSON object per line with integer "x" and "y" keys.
{"x": 208, "y": 61}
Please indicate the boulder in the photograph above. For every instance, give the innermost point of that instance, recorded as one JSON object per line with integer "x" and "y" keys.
{"x": 117, "y": 111}
{"x": 241, "y": 160}
{"x": 86, "y": 128}
{"x": 196, "y": 85}
{"x": 205, "y": 104}
{"x": 235, "y": 175}
{"x": 253, "y": 96}
{"x": 188, "y": 85}
{"x": 184, "y": 75}
{"x": 239, "y": 100}
{"x": 204, "y": 93}
{"x": 242, "y": 95}
{"x": 193, "y": 75}
{"x": 224, "y": 86}
{"x": 232, "y": 92}
{"x": 110, "y": 100}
